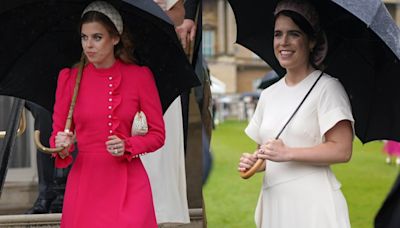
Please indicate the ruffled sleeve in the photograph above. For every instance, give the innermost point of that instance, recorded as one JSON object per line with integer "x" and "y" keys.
{"x": 64, "y": 92}
{"x": 150, "y": 104}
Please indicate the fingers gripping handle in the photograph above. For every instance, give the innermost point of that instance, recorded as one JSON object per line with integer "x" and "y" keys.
{"x": 249, "y": 173}
{"x": 44, "y": 149}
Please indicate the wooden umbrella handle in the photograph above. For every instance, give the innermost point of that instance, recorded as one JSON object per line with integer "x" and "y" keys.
{"x": 68, "y": 122}
{"x": 249, "y": 173}
{"x": 44, "y": 149}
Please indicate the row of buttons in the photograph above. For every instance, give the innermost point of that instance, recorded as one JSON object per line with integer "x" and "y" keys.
{"x": 110, "y": 115}
{"x": 110, "y": 106}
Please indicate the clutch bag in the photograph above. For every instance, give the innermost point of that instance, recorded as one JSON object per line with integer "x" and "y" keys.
{"x": 139, "y": 125}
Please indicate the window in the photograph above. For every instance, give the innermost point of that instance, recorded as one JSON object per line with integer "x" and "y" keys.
{"x": 208, "y": 42}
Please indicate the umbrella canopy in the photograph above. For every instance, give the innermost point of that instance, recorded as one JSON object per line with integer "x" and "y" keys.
{"x": 269, "y": 79}
{"x": 363, "y": 52}
{"x": 41, "y": 37}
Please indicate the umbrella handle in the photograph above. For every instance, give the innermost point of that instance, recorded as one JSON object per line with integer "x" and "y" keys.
{"x": 44, "y": 149}
{"x": 21, "y": 128}
{"x": 249, "y": 173}
{"x": 68, "y": 122}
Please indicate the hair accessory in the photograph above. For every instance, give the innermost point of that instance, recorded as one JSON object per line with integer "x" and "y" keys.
{"x": 308, "y": 12}
{"x": 109, "y": 11}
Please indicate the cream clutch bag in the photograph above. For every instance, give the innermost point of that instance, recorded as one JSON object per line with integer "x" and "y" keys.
{"x": 139, "y": 125}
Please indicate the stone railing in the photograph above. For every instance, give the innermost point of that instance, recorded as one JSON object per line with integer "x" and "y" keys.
{"x": 42, "y": 220}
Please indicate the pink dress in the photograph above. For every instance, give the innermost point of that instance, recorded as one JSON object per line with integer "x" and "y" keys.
{"x": 392, "y": 148}
{"x": 103, "y": 190}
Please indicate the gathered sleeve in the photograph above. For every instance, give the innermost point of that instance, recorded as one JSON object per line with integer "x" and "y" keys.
{"x": 150, "y": 104}
{"x": 62, "y": 103}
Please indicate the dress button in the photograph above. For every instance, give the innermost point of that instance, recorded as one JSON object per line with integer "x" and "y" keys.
{"x": 109, "y": 99}
{"x": 110, "y": 107}
{"x": 110, "y": 131}
{"x": 109, "y": 124}
{"x": 110, "y": 92}
{"x": 110, "y": 85}
{"x": 109, "y": 116}
{"x": 110, "y": 78}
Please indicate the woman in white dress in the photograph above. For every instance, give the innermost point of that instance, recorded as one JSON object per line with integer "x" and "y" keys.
{"x": 299, "y": 189}
{"x": 166, "y": 167}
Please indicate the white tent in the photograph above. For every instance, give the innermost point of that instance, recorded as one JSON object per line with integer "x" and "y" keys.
{"x": 217, "y": 86}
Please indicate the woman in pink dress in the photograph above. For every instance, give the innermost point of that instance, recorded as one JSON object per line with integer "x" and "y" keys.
{"x": 107, "y": 185}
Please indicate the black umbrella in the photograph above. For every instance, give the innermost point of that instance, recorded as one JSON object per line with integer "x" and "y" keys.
{"x": 364, "y": 53}
{"x": 39, "y": 38}
{"x": 269, "y": 79}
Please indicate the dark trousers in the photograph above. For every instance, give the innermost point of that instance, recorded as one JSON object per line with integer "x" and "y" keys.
{"x": 389, "y": 214}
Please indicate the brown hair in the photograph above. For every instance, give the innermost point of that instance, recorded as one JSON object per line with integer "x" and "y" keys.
{"x": 124, "y": 49}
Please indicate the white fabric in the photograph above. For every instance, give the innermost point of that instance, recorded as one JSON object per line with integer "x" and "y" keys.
{"x": 166, "y": 171}
{"x": 293, "y": 192}
{"x": 166, "y": 4}
{"x": 170, "y": 4}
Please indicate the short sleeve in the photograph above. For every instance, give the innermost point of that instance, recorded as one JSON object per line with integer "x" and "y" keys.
{"x": 333, "y": 106}
{"x": 253, "y": 128}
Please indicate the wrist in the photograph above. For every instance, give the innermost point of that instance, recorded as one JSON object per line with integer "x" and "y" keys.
{"x": 290, "y": 156}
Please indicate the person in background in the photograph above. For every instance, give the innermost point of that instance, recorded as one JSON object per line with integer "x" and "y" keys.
{"x": 45, "y": 164}
{"x": 187, "y": 30}
{"x": 166, "y": 167}
{"x": 174, "y": 9}
{"x": 392, "y": 150}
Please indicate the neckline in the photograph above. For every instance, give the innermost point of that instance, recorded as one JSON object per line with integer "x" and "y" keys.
{"x": 108, "y": 70}
{"x": 306, "y": 79}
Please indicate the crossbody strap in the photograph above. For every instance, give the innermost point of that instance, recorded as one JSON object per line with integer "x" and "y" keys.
{"x": 298, "y": 107}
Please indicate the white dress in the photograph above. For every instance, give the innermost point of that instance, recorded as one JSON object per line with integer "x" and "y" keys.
{"x": 295, "y": 194}
{"x": 166, "y": 170}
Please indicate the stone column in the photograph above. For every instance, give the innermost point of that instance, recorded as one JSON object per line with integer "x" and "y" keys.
{"x": 230, "y": 31}
{"x": 221, "y": 36}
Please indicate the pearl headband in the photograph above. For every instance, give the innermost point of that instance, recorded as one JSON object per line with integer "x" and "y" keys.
{"x": 109, "y": 11}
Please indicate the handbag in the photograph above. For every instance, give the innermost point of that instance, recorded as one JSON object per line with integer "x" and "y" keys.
{"x": 139, "y": 125}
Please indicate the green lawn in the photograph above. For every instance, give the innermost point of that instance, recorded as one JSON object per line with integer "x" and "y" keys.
{"x": 230, "y": 201}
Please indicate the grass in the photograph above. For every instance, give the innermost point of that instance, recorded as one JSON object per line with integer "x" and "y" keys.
{"x": 230, "y": 201}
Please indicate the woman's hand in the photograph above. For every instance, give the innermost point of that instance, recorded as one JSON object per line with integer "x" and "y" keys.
{"x": 274, "y": 150}
{"x": 115, "y": 146}
{"x": 64, "y": 139}
{"x": 186, "y": 32}
{"x": 246, "y": 161}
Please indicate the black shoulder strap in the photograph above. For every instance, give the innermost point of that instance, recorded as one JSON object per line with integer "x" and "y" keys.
{"x": 298, "y": 107}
